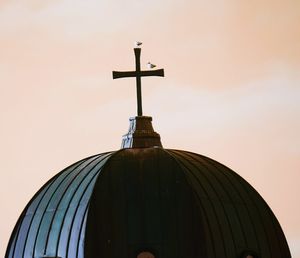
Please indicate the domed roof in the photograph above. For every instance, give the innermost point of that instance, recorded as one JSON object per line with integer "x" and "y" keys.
{"x": 170, "y": 203}
{"x": 145, "y": 201}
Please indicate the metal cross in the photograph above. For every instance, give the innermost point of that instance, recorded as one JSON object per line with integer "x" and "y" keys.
{"x": 138, "y": 74}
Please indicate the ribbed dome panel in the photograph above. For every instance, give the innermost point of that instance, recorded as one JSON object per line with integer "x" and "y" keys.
{"x": 53, "y": 223}
{"x": 237, "y": 218}
{"x": 170, "y": 203}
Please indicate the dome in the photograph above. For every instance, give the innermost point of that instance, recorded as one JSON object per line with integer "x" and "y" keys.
{"x": 147, "y": 202}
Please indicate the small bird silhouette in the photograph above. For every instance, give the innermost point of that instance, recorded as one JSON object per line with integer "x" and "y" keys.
{"x": 150, "y": 66}
{"x": 137, "y": 43}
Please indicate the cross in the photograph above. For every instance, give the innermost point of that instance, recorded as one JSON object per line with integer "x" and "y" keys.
{"x": 138, "y": 73}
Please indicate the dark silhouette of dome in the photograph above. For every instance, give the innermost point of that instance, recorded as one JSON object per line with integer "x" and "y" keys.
{"x": 147, "y": 201}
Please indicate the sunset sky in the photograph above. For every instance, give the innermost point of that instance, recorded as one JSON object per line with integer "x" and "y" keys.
{"x": 231, "y": 90}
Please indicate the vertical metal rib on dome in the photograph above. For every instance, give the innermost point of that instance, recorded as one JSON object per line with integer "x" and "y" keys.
{"x": 53, "y": 223}
{"x": 142, "y": 202}
{"x": 175, "y": 203}
{"x": 237, "y": 216}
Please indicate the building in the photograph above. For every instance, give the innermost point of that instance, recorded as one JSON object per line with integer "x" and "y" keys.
{"x": 146, "y": 201}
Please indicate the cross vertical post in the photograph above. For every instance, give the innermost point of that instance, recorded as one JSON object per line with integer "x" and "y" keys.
{"x": 138, "y": 73}
{"x": 137, "y": 53}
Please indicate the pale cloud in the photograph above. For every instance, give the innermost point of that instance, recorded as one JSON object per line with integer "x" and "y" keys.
{"x": 237, "y": 40}
{"x": 31, "y": 4}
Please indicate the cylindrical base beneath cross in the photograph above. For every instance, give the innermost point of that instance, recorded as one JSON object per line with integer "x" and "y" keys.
{"x": 141, "y": 134}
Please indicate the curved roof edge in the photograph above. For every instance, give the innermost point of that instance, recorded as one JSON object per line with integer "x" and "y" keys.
{"x": 50, "y": 222}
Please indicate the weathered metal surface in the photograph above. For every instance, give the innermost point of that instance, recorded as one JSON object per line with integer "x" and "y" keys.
{"x": 141, "y": 134}
{"x": 53, "y": 223}
{"x": 138, "y": 73}
{"x": 237, "y": 218}
{"x": 169, "y": 203}
{"x": 143, "y": 203}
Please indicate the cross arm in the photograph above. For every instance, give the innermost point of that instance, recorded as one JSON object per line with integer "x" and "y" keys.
{"x": 117, "y": 74}
{"x": 158, "y": 72}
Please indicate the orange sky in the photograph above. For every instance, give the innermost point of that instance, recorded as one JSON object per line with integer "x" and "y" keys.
{"x": 231, "y": 91}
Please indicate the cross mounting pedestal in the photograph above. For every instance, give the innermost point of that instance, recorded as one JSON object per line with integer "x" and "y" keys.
{"x": 138, "y": 74}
